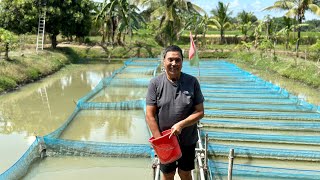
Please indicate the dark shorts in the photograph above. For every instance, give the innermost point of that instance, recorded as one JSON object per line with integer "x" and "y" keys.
{"x": 185, "y": 163}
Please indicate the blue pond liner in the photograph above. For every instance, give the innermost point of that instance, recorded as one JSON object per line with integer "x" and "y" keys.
{"x": 264, "y": 153}
{"x": 245, "y": 171}
{"x": 241, "y": 123}
{"x": 270, "y": 138}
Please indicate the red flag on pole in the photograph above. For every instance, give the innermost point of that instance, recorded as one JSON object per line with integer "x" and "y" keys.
{"x": 192, "y": 49}
{"x": 193, "y": 55}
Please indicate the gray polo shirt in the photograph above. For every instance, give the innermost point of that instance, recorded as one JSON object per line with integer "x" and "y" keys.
{"x": 175, "y": 102}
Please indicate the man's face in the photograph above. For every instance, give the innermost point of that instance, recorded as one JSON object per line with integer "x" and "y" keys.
{"x": 173, "y": 64}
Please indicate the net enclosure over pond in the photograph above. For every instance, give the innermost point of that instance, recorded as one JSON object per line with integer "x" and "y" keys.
{"x": 259, "y": 120}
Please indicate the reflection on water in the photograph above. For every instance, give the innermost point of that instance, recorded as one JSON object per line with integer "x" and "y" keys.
{"x": 41, "y": 107}
{"x": 118, "y": 126}
{"x": 65, "y": 168}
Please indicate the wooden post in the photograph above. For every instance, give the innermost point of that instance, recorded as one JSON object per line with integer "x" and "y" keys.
{"x": 231, "y": 156}
{"x": 305, "y": 54}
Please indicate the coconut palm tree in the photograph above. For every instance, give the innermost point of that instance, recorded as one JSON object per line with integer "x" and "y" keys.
{"x": 296, "y": 9}
{"x": 221, "y": 19}
{"x": 129, "y": 19}
{"x": 246, "y": 20}
{"x": 171, "y": 14}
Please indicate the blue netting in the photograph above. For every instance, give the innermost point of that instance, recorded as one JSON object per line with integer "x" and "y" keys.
{"x": 242, "y": 170}
{"x": 82, "y": 148}
{"x": 257, "y": 107}
{"x": 20, "y": 168}
{"x": 265, "y": 153}
{"x": 308, "y": 116}
{"x": 270, "y": 138}
{"x": 123, "y": 105}
{"x": 127, "y": 82}
{"x": 273, "y": 125}
{"x": 251, "y": 100}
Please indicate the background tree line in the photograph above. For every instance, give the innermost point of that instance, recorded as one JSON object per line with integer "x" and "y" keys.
{"x": 114, "y": 20}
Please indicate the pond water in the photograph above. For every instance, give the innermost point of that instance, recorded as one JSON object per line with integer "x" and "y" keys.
{"x": 91, "y": 168}
{"x": 41, "y": 107}
{"x": 117, "y": 126}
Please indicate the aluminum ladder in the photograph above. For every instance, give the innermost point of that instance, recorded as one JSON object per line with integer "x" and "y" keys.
{"x": 41, "y": 31}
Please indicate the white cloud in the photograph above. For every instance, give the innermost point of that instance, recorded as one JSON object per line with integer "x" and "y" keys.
{"x": 257, "y": 5}
{"x": 234, "y": 4}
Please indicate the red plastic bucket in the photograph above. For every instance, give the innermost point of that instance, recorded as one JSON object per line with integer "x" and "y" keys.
{"x": 168, "y": 150}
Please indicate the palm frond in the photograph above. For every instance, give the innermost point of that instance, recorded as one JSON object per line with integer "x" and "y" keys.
{"x": 314, "y": 8}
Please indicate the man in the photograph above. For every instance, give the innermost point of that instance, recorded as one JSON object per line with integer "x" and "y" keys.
{"x": 175, "y": 101}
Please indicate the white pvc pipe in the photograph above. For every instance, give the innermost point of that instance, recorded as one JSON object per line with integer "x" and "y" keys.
{"x": 202, "y": 176}
{"x": 157, "y": 175}
{"x": 198, "y": 154}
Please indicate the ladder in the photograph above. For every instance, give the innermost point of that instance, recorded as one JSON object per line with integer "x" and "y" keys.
{"x": 44, "y": 98}
{"x": 41, "y": 30}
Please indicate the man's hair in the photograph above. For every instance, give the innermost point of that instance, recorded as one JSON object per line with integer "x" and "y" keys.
{"x": 172, "y": 48}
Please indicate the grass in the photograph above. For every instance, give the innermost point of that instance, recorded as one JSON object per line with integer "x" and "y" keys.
{"x": 298, "y": 69}
{"x": 30, "y": 67}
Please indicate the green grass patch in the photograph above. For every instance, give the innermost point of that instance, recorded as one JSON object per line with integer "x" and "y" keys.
{"x": 7, "y": 83}
{"x": 32, "y": 73}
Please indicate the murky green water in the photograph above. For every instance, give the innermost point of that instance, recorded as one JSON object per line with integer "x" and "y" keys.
{"x": 118, "y": 126}
{"x": 41, "y": 107}
{"x": 65, "y": 168}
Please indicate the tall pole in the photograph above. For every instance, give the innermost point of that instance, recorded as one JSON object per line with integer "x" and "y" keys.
{"x": 231, "y": 156}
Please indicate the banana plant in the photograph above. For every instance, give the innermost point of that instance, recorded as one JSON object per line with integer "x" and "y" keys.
{"x": 8, "y": 39}
{"x": 296, "y": 9}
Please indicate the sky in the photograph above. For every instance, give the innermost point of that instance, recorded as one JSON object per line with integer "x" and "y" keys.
{"x": 255, "y": 6}
{"x": 236, "y": 6}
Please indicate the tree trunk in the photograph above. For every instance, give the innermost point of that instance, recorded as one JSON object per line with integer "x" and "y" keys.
{"x": 221, "y": 36}
{"x": 274, "y": 50}
{"x": 298, "y": 42}
{"x": 287, "y": 42}
{"x": 104, "y": 27}
{"x": 204, "y": 39}
{"x": 53, "y": 41}
{"x": 172, "y": 32}
{"x": 6, "y": 55}
{"x": 119, "y": 38}
{"x": 114, "y": 27}
{"x": 299, "y": 35}
{"x": 124, "y": 38}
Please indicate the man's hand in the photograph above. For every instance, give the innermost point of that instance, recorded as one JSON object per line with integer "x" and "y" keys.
{"x": 176, "y": 129}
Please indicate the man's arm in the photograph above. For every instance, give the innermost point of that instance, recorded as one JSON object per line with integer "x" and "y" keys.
{"x": 190, "y": 120}
{"x": 151, "y": 120}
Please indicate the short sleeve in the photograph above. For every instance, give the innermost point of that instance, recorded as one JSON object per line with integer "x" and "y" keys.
{"x": 151, "y": 98}
{"x": 198, "y": 96}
